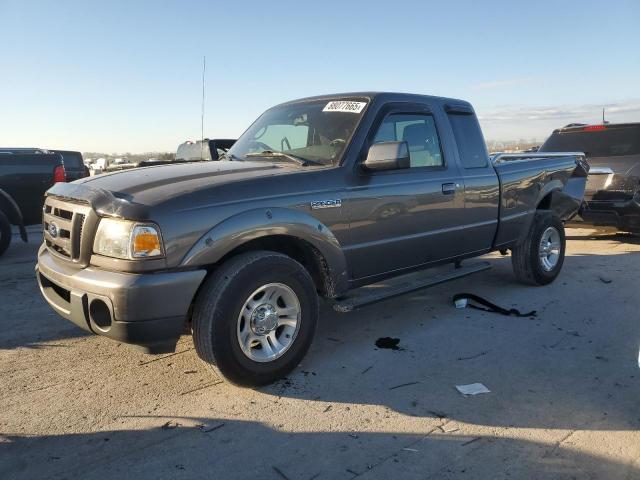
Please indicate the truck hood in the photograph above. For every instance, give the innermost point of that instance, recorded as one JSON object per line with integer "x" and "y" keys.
{"x": 131, "y": 193}
{"x": 168, "y": 180}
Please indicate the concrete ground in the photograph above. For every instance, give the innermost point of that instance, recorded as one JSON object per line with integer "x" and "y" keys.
{"x": 564, "y": 401}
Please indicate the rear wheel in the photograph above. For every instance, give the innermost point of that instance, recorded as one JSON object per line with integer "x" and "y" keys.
{"x": 538, "y": 259}
{"x": 5, "y": 233}
{"x": 255, "y": 317}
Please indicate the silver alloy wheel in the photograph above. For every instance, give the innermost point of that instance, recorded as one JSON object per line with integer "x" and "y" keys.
{"x": 268, "y": 322}
{"x": 549, "y": 248}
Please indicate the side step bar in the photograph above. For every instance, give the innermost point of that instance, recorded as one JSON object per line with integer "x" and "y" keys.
{"x": 400, "y": 285}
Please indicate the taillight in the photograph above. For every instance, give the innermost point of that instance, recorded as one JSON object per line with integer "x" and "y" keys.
{"x": 591, "y": 128}
{"x": 59, "y": 175}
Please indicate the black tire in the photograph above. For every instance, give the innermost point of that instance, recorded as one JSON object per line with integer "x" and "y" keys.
{"x": 5, "y": 233}
{"x": 528, "y": 265}
{"x": 222, "y": 297}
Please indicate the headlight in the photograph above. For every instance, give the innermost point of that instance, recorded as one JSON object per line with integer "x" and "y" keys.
{"x": 126, "y": 239}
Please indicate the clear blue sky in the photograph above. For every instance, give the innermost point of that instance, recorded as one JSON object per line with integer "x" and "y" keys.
{"x": 122, "y": 76}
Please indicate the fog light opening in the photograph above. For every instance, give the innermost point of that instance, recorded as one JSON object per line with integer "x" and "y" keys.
{"x": 100, "y": 315}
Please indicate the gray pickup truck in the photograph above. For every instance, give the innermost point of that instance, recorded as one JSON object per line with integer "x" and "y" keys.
{"x": 318, "y": 198}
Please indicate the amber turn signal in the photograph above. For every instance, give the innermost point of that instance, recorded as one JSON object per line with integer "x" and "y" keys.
{"x": 145, "y": 242}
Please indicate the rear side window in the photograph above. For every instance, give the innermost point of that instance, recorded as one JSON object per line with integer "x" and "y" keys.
{"x": 419, "y": 131}
{"x": 609, "y": 142}
{"x": 72, "y": 159}
{"x": 471, "y": 146}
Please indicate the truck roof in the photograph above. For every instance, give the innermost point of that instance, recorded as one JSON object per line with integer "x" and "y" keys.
{"x": 383, "y": 96}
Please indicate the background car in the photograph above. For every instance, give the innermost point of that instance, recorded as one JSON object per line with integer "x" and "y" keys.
{"x": 612, "y": 196}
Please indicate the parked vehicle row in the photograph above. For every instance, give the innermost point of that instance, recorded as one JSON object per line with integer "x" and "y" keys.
{"x": 25, "y": 175}
{"x": 318, "y": 197}
{"x": 203, "y": 149}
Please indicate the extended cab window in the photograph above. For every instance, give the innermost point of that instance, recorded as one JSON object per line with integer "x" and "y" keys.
{"x": 471, "y": 146}
{"x": 419, "y": 131}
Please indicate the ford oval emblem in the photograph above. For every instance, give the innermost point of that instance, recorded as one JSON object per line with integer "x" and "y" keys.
{"x": 53, "y": 230}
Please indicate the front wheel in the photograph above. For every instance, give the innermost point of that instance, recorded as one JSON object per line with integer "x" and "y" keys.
{"x": 538, "y": 259}
{"x": 255, "y": 317}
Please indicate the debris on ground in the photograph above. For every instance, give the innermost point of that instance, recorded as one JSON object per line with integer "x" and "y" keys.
{"x": 447, "y": 428}
{"x": 472, "y": 389}
{"x": 463, "y": 300}
{"x": 605, "y": 280}
{"x": 471, "y": 441}
{"x": 484, "y": 352}
{"x": 388, "y": 342}
{"x": 403, "y": 385}
{"x": 211, "y": 428}
{"x": 170, "y": 425}
{"x": 280, "y": 473}
{"x": 437, "y": 413}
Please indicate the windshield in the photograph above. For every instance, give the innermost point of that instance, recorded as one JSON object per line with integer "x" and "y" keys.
{"x": 607, "y": 142}
{"x": 316, "y": 131}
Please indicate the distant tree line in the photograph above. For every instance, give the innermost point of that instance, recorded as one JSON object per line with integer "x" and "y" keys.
{"x": 129, "y": 157}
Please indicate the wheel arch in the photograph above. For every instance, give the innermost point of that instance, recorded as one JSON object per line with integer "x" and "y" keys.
{"x": 11, "y": 209}
{"x": 293, "y": 233}
{"x": 555, "y": 198}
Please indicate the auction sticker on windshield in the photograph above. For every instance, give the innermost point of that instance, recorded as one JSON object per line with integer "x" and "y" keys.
{"x": 344, "y": 106}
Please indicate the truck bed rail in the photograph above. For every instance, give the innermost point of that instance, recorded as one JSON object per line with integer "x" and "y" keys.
{"x": 521, "y": 157}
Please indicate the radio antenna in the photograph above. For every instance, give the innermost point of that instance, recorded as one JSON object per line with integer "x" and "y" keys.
{"x": 204, "y": 67}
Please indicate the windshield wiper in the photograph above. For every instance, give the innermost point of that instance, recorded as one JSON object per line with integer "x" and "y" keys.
{"x": 276, "y": 154}
{"x": 228, "y": 156}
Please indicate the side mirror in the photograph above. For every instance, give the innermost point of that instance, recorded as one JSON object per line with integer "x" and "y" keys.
{"x": 387, "y": 156}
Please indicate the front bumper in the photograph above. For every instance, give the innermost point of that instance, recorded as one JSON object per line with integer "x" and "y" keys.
{"x": 147, "y": 310}
{"x": 621, "y": 214}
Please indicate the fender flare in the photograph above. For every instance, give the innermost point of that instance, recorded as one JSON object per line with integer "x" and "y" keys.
{"x": 263, "y": 222}
{"x": 564, "y": 199}
{"x": 14, "y": 213}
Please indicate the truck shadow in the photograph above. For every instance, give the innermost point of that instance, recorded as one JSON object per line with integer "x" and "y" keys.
{"x": 229, "y": 449}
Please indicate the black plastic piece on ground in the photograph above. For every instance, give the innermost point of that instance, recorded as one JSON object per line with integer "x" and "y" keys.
{"x": 490, "y": 307}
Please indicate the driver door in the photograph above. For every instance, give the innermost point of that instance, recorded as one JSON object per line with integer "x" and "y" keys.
{"x": 407, "y": 217}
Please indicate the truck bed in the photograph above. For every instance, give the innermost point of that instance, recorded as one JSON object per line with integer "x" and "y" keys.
{"x": 526, "y": 177}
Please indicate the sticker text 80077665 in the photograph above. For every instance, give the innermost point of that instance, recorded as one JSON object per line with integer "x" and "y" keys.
{"x": 344, "y": 106}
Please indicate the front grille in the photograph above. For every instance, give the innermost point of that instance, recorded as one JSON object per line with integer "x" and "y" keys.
{"x": 64, "y": 223}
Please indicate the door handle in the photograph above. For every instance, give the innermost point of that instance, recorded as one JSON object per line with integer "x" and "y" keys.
{"x": 449, "y": 188}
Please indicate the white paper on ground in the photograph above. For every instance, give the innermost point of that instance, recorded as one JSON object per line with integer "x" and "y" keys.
{"x": 461, "y": 302}
{"x": 472, "y": 389}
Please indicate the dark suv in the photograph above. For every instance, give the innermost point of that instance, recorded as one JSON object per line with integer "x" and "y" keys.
{"x": 73, "y": 164}
{"x": 612, "y": 196}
